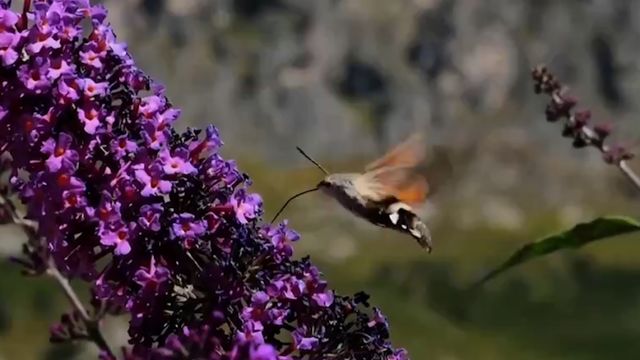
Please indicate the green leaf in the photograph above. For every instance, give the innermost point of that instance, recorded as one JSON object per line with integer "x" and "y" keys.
{"x": 579, "y": 235}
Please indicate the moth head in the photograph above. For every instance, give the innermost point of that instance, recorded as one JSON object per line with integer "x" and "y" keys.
{"x": 324, "y": 185}
{"x": 327, "y": 185}
{"x": 328, "y": 182}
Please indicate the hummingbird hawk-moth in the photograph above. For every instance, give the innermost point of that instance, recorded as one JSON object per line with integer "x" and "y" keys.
{"x": 385, "y": 193}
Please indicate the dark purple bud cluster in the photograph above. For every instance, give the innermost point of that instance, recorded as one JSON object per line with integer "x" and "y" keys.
{"x": 71, "y": 326}
{"x": 157, "y": 221}
{"x": 576, "y": 122}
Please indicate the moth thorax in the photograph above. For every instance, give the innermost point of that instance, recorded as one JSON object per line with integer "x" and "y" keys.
{"x": 335, "y": 184}
{"x": 342, "y": 188}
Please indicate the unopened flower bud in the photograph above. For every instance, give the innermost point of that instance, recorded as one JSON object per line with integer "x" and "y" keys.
{"x": 603, "y": 130}
{"x": 581, "y": 118}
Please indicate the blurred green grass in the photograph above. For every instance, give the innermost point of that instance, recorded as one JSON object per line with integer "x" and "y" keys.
{"x": 572, "y": 305}
{"x": 28, "y": 306}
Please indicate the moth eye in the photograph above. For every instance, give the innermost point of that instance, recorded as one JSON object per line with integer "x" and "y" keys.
{"x": 394, "y": 218}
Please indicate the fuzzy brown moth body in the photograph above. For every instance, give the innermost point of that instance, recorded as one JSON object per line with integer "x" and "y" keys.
{"x": 386, "y": 192}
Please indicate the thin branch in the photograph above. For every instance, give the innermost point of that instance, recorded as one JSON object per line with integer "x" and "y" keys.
{"x": 624, "y": 167}
{"x": 195, "y": 262}
{"x": 53, "y": 271}
{"x": 27, "y": 225}
{"x": 595, "y": 141}
{"x": 92, "y": 325}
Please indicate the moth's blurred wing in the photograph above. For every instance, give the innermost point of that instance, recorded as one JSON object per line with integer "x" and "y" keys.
{"x": 403, "y": 183}
{"x": 409, "y": 153}
{"x": 439, "y": 166}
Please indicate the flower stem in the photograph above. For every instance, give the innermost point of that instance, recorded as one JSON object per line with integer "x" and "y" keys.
{"x": 92, "y": 325}
{"x": 622, "y": 164}
{"x": 561, "y": 106}
{"x": 624, "y": 167}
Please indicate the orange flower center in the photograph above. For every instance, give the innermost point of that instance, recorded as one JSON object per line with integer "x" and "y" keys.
{"x": 64, "y": 180}
{"x": 73, "y": 200}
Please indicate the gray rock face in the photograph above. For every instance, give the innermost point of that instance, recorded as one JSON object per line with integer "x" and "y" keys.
{"x": 351, "y": 77}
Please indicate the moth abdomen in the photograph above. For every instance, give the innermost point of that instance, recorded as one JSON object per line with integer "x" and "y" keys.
{"x": 421, "y": 233}
{"x": 399, "y": 216}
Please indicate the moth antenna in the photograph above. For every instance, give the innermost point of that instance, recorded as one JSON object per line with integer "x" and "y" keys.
{"x": 312, "y": 161}
{"x": 290, "y": 199}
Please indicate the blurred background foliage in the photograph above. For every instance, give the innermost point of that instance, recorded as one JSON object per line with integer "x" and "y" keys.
{"x": 346, "y": 79}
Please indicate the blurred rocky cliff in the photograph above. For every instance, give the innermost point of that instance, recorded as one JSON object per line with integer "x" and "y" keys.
{"x": 350, "y": 77}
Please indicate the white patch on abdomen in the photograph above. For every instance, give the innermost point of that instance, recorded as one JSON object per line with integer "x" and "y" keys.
{"x": 393, "y": 209}
{"x": 394, "y": 216}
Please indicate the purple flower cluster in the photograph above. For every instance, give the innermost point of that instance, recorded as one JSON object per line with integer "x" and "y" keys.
{"x": 161, "y": 225}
